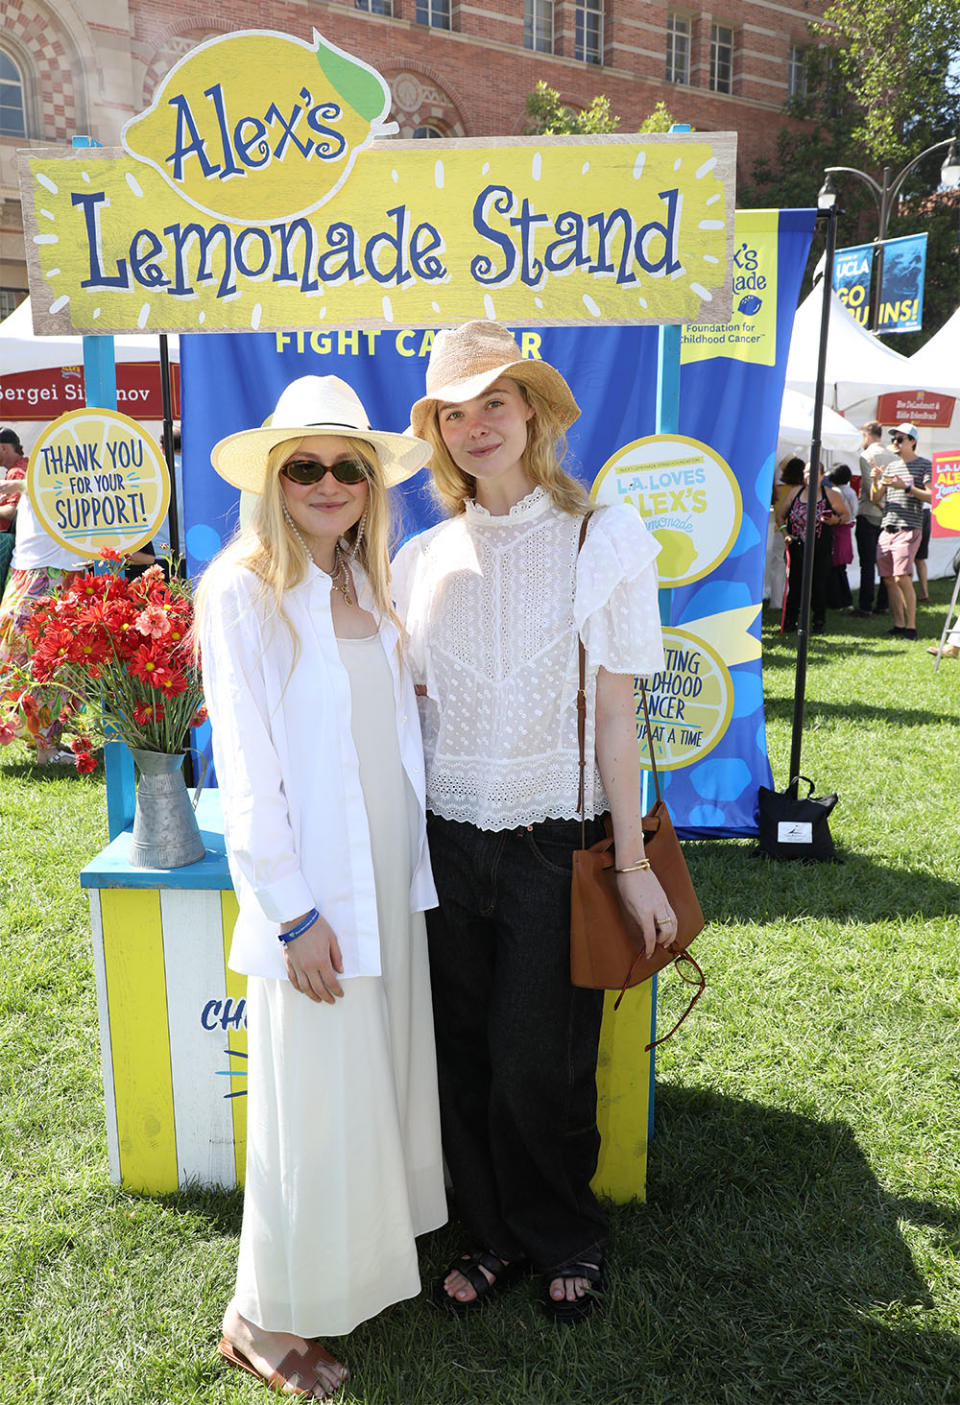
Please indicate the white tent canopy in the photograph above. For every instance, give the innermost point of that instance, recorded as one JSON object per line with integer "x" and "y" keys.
{"x": 939, "y": 357}
{"x": 858, "y": 366}
{"x": 22, "y": 350}
{"x": 796, "y": 425}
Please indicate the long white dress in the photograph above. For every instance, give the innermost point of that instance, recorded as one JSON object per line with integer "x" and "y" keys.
{"x": 344, "y": 1164}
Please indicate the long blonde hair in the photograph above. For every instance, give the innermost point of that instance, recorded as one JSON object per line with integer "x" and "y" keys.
{"x": 272, "y": 550}
{"x": 542, "y": 460}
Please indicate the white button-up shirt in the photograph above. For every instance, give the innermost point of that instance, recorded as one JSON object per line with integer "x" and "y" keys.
{"x": 295, "y": 820}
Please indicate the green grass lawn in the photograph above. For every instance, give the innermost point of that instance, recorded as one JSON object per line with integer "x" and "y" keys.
{"x": 799, "y": 1241}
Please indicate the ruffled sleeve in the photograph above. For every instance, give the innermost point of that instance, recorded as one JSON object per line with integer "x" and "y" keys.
{"x": 615, "y": 604}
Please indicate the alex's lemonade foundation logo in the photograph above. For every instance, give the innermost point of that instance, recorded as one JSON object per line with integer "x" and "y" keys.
{"x": 244, "y": 150}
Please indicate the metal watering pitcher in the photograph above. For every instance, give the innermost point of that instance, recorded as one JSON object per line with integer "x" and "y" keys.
{"x": 165, "y": 829}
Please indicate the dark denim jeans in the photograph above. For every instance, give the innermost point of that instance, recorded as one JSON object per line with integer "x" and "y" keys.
{"x": 872, "y": 596}
{"x": 516, "y": 1042}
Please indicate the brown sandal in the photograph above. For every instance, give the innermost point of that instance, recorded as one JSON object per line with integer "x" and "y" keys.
{"x": 298, "y": 1369}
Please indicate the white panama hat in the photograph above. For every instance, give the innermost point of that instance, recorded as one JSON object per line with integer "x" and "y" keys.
{"x": 315, "y": 405}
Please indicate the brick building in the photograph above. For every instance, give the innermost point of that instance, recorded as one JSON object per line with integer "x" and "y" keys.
{"x": 455, "y": 67}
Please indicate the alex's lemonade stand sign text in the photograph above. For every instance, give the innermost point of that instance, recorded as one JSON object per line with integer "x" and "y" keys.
{"x": 253, "y": 193}
{"x": 96, "y": 480}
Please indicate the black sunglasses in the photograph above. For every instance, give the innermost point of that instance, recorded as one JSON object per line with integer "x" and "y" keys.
{"x": 305, "y": 471}
{"x": 897, "y": 438}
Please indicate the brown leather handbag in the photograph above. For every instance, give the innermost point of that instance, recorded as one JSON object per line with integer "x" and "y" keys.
{"x": 606, "y": 944}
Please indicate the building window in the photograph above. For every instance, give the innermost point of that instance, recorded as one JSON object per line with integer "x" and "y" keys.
{"x": 538, "y": 25}
{"x": 12, "y": 122}
{"x": 797, "y": 72}
{"x": 434, "y": 13}
{"x": 427, "y": 132}
{"x": 9, "y": 299}
{"x": 678, "y": 49}
{"x": 375, "y": 7}
{"x": 588, "y": 36}
{"x": 721, "y": 58}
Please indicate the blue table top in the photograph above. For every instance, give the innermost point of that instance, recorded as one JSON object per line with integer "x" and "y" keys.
{"x": 112, "y": 869}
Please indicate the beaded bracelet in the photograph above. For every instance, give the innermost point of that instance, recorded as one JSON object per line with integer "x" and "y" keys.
{"x": 302, "y": 926}
{"x": 634, "y": 867}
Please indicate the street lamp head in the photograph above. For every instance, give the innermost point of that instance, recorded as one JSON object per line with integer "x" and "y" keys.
{"x": 827, "y": 195}
{"x": 950, "y": 170}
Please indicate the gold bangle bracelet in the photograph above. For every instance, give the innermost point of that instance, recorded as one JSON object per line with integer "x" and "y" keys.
{"x": 634, "y": 867}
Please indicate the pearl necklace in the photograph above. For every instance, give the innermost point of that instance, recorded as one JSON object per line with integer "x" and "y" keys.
{"x": 340, "y": 575}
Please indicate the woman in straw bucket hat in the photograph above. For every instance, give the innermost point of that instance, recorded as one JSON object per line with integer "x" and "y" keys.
{"x": 319, "y": 759}
{"x": 494, "y": 601}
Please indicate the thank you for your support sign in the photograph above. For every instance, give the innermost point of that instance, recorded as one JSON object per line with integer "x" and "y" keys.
{"x": 261, "y": 190}
{"x": 96, "y": 480}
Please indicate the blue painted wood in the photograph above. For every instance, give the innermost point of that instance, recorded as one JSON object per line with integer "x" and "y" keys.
{"x": 668, "y": 379}
{"x": 121, "y": 787}
{"x": 111, "y": 868}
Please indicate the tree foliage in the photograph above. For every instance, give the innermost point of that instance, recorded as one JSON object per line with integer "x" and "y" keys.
{"x": 878, "y": 92}
{"x": 548, "y": 116}
{"x": 894, "y": 57}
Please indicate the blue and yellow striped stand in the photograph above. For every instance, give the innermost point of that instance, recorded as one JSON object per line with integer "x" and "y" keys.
{"x": 173, "y": 1030}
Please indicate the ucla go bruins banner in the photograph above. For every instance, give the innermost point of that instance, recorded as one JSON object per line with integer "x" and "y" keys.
{"x": 704, "y": 493}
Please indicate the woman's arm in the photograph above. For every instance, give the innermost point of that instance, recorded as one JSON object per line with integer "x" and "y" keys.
{"x": 618, "y": 758}
{"x": 837, "y": 504}
{"x": 783, "y": 507}
{"x": 257, "y": 822}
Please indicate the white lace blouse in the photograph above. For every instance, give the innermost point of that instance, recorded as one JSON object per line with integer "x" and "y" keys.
{"x": 493, "y": 607}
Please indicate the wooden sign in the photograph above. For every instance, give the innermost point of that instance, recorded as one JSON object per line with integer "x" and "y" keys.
{"x": 259, "y": 191}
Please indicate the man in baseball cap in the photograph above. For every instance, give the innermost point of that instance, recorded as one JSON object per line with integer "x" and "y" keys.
{"x": 902, "y": 488}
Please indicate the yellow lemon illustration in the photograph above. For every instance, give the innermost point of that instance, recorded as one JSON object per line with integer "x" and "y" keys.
{"x": 259, "y": 126}
{"x": 947, "y": 512}
{"x": 677, "y": 552}
{"x": 690, "y": 702}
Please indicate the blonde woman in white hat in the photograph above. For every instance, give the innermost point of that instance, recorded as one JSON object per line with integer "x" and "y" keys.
{"x": 319, "y": 761}
{"x": 494, "y": 601}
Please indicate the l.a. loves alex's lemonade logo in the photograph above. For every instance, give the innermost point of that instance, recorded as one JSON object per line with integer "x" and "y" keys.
{"x": 244, "y": 151}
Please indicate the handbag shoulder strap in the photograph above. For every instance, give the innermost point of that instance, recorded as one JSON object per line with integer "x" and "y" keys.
{"x": 582, "y": 720}
{"x": 582, "y": 710}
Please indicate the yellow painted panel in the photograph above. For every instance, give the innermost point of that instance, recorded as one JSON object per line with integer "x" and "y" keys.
{"x": 236, "y": 988}
{"x": 137, "y": 1001}
{"x": 623, "y": 1095}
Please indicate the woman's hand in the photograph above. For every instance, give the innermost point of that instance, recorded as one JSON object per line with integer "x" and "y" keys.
{"x": 314, "y": 961}
{"x": 642, "y": 896}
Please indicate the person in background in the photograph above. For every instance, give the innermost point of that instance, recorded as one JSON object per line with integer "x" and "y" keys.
{"x": 923, "y": 551}
{"x": 791, "y": 511}
{"x": 39, "y": 566}
{"x": 872, "y": 599}
{"x": 839, "y": 597}
{"x": 13, "y": 468}
{"x": 320, "y": 766}
{"x": 902, "y": 487}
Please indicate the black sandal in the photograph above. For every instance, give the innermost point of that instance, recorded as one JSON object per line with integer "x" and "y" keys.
{"x": 570, "y": 1313}
{"x": 471, "y": 1267}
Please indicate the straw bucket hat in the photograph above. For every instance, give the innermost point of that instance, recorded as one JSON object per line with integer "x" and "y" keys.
{"x": 467, "y": 359}
{"x": 314, "y": 405}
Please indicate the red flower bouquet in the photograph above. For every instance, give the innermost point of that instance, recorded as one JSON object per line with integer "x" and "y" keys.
{"x": 121, "y": 651}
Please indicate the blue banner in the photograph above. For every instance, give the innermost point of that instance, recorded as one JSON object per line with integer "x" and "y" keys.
{"x": 710, "y": 696}
{"x": 901, "y": 282}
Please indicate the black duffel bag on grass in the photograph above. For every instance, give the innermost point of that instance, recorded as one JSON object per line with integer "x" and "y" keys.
{"x": 792, "y": 826}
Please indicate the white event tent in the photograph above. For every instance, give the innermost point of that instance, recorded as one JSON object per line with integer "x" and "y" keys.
{"x": 939, "y": 357}
{"x": 858, "y": 366}
{"x": 796, "y": 425}
{"x": 22, "y": 350}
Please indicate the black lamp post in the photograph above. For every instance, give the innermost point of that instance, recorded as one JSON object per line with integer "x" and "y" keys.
{"x": 885, "y": 195}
